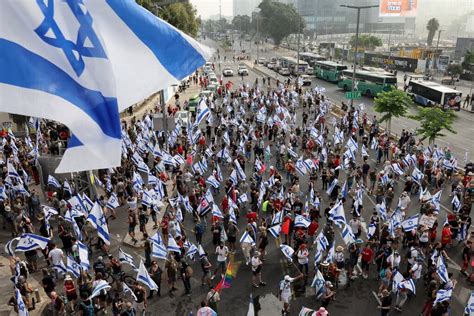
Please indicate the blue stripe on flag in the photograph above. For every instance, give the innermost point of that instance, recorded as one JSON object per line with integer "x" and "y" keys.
{"x": 23, "y": 68}
{"x": 172, "y": 50}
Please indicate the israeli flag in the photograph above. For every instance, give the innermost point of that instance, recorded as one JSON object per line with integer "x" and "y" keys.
{"x": 456, "y": 203}
{"x": 469, "y": 310}
{"x": 240, "y": 172}
{"x": 52, "y": 181}
{"x": 159, "y": 251}
{"x": 68, "y": 217}
{"x": 292, "y": 153}
{"x": 216, "y": 212}
{"x": 397, "y": 169}
{"x": 9, "y": 247}
{"x": 442, "y": 295}
{"x": 337, "y": 215}
{"x": 383, "y": 211}
{"x": 211, "y": 180}
{"x": 436, "y": 199}
{"x": 73, "y": 267}
{"x": 246, "y": 238}
{"x": 371, "y": 230}
{"x": 113, "y": 202}
{"x": 145, "y": 278}
{"x": 97, "y": 219}
{"x": 331, "y": 253}
{"x": 275, "y": 230}
{"x": 30, "y": 241}
{"x": 83, "y": 63}
{"x": 84, "y": 255}
{"x": 172, "y": 245}
{"x": 318, "y": 284}
{"x": 417, "y": 175}
{"x": 77, "y": 206}
{"x": 407, "y": 285}
{"x": 301, "y": 221}
{"x": 192, "y": 250}
{"x": 126, "y": 258}
{"x": 347, "y": 235}
{"x": 410, "y": 223}
{"x": 22, "y": 310}
{"x": 331, "y": 186}
{"x": 441, "y": 270}
{"x": 300, "y": 166}
{"x": 243, "y": 198}
{"x": 128, "y": 290}
{"x": 202, "y": 112}
{"x": 344, "y": 190}
{"x": 67, "y": 187}
{"x": 87, "y": 202}
{"x": 99, "y": 289}
{"x": 287, "y": 251}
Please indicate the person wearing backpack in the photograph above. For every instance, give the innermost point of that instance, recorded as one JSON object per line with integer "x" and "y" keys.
{"x": 86, "y": 307}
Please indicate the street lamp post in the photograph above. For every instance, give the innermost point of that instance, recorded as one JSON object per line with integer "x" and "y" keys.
{"x": 358, "y": 8}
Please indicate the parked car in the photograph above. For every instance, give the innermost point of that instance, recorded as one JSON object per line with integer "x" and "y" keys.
{"x": 284, "y": 72}
{"x": 183, "y": 117}
{"x": 262, "y": 60}
{"x": 271, "y": 65}
{"x": 227, "y": 72}
{"x": 306, "y": 80}
{"x": 242, "y": 71}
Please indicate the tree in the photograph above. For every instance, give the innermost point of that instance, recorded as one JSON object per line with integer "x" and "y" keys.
{"x": 468, "y": 61}
{"x": 393, "y": 103}
{"x": 433, "y": 121}
{"x": 368, "y": 42}
{"x": 181, "y": 15}
{"x": 432, "y": 26}
{"x": 241, "y": 23}
{"x": 279, "y": 20}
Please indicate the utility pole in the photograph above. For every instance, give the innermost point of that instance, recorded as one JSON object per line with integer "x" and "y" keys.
{"x": 258, "y": 38}
{"x": 437, "y": 46}
{"x": 298, "y": 51}
{"x": 358, "y": 8}
{"x": 389, "y": 42}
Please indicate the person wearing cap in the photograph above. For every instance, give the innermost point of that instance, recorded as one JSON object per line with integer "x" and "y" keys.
{"x": 257, "y": 270}
{"x": 385, "y": 302}
{"x": 285, "y": 292}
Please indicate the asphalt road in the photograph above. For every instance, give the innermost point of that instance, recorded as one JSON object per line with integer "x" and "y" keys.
{"x": 459, "y": 143}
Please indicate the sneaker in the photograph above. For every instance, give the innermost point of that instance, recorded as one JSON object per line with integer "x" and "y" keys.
{"x": 254, "y": 285}
{"x": 263, "y": 283}
{"x": 212, "y": 277}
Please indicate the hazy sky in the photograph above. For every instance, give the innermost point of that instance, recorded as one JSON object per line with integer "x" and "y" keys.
{"x": 206, "y": 8}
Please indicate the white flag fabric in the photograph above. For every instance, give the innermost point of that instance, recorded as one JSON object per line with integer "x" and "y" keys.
{"x": 145, "y": 278}
{"x": 126, "y": 258}
{"x": 22, "y": 310}
{"x": 251, "y": 311}
{"x": 30, "y": 241}
{"x": 318, "y": 283}
{"x": 101, "y": 286}
{"x": 127, "y": 290}
{"x": 469, "y": 310}
{"x": 97, "y": 219}
{"x": 82, "y": 62}
{"x": 442, "y": 295}
{"x": 73, "y": 267}
{"x": 287, "y": 251}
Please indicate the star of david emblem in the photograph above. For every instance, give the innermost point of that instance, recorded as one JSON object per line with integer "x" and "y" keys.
{"x": 102, "y": 220}
{"x": 75, "y": 266}
{"x": 87, "y": 42}
{"x": 319, "y": 283}
{"x": 30, "y": 241}
{"x": 21, "y": 306}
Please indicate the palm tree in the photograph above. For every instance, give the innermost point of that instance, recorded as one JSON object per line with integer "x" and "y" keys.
{"x": 432, "y": 26}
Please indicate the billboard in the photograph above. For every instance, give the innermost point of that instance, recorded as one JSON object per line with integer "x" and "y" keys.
{"x": 404, "y": 8}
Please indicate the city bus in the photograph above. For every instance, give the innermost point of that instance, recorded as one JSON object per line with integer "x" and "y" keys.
{"x": 369, "y": 83}
{"x": 428, "y": 93}
{"x": 291, "y": 63}
{"x": 311, "y": 58}
{"x": 328, "y": 70}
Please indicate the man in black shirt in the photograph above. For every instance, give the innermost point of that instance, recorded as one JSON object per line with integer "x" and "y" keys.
{"x": 47, "y": 282}
{"x": 385, "y": 303}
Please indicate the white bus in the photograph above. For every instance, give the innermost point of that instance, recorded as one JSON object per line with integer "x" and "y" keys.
{"x": 311, "y": 58}
{"x": 292, "y": 63}
{"x": 428, "y": 93}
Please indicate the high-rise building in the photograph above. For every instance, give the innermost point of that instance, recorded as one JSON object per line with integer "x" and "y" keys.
{"x": 245, "y": 7}
{"x": 327, "y": 16}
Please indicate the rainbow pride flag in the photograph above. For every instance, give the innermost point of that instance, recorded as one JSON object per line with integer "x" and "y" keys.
{"x": 229, "y": 275}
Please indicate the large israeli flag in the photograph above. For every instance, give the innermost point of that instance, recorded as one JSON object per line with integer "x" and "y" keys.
{"x": 82, "y": 62}
{"x": 97, "y": 219}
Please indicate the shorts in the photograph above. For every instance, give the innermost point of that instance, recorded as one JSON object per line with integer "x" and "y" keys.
{"x": 231, "y": 239}
{"x": 340, "y": 264}
{"x": 257, "y": 271}
{"x": 285, "y": 299}
{"x": 131, "y": 228}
